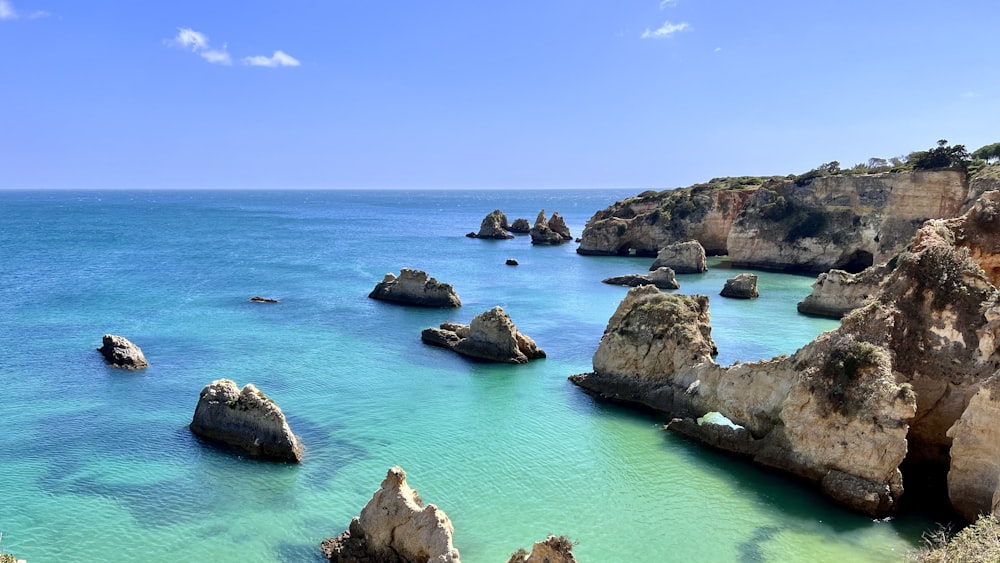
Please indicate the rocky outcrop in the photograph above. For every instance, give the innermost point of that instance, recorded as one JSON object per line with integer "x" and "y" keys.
{"x": 836, "y": 293}
{"x": 686, "y": 257}
{"x": 552, "y": 231}
{"x": 494, "y": 226}
{"x": 491, "y": 336}
{"x": 395, "y": 527}
{"x": 840, "y": 222}
{"x": 247, "y": 420}
{"x": 909, "y": 375}
{"x": 511, "y": 262}
{"x": 644, "y": 224}
{"x": 986, "y": 179}
{"x": 520, "y": 226}
{"x": 413, "y": 287}
{"x": 122, "y": 353}
{"x": 553, "y": 550}
{"x": 662, "y": 278}
{"x": 743, "y": 286}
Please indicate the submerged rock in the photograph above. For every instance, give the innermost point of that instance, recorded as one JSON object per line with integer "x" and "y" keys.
{"x": 743, "y": 286}
{"x": 122, "y": 353}
{"x": 686, "y": 257}
{"x": 662, "y": 278}
{"x": 494, "y": 226}
{"x": 552, "y": 231}
{"x": 395, "y": 527}
{"x": 246, "y": 419}
{"x": 413, "y": 287}
{"x": 553, "y": 550}
{"x": 491, "y": 336}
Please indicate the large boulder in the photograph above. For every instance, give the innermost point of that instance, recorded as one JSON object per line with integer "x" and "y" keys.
{"x": 743, "y": 286}
{"x": 662, "y": 278}
{"x": 836, "y": 293}
{"x": 395, "y": 527}
{"x": 491, "y": 336}
{"x": 247, "y": 420}
{"x": 413, "y": 287}
{"x": 493, "y": 226}
{"x": 122, "y": 353}
{"x": 686, "y": 257}
{"x": 552, "y": 231}
{"x": 555, "y": 549}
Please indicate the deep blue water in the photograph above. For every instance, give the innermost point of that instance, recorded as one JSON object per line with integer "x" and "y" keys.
{"x": 97, "y": 464}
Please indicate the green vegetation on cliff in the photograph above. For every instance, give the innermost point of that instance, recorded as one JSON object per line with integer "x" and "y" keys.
{"x": 977, "y": 543}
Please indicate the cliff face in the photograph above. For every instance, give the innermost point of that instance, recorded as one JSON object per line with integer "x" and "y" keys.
{"x": 909, "y": 375}
{"x": 837, "y": 293}
{"x": 649, "y": 222}
{"x": 844, "y": 222}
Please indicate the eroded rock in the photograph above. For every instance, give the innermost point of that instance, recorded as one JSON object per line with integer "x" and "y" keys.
{"x": 552, "y": 231}
{"x": 686, "y": 257}
{"x": 491, "y": 336}
{"x": 395, "y": 527}
{"x": 555, "y": 549}
{"x": 662, "y": 278}
{"x": 122, "y": 353}
{"x": 247, "y": 420}
{"x": 413, "y": 287}
{"x": 836, "y": 293}
{"x": 743, "y": 286}
{"x": 520, "y": 226}
{"x": 494, "y": 226}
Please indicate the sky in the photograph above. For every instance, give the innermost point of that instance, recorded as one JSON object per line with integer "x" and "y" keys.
{"x": 643, "y": 94}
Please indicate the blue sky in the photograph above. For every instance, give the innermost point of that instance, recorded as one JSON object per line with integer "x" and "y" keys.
{"x": 463, "y": 94}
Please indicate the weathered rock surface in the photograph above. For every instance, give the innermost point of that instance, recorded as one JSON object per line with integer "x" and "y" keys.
{"x": 553, "y": 550}
{"x": 552, "y": 231}
{"x": 662, "y": 278}
{"x": 910, "y": 374}
{"x": 413, "y": 287}
{"x": 491, "y": 336}
{"x": 520, "y": 226}
{"x": 686, "y": 257}
{"x": 395, "y": 527}
{"x": 840, "y": 222}
{"x": 836, "y": 293}
{"x": 987, "y": 179}
{"x": 122, "y": 353}
{"x": 246, "y": 419}
{"x": 743, "y": 286}
{"x": 494, "y": 226}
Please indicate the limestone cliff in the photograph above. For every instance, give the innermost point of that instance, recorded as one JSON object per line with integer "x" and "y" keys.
{"x": 836, "y": 293}
{"x": 413, "y": 287}
{"x": 843, "y": 222}
{"x": 395, "y": 527}
{"x": 246, "y": 419}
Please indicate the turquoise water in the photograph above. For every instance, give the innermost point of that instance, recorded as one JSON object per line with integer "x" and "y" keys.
{"x": 97, "y": 464}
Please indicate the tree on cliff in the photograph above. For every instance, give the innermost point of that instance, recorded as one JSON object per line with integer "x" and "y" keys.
{"x": 989, "y": 153}
{"x": 941, "y": 156}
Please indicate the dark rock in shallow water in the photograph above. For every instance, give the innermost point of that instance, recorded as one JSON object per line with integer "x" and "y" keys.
{"x": 662, "y": 278}
{"x": 122, "y": 353}
{"x": 743, "y": 286}
{"x": 246, "y": 419}
{"x": 511, "y": 262}
{"x": 259, "y": 299}
{"x": 413, "y": 287}
{"x": 491, "y": 336}
{"x": 395, "y": 527}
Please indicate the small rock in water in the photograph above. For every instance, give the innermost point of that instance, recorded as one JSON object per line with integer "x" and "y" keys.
{"x": 511, "y": 262}
{"x": 260, "y": 299}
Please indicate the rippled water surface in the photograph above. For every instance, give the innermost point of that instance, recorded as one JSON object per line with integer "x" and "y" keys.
{"x": 97, "y": 464}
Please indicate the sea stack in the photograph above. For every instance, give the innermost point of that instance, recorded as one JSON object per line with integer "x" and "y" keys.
{"x": 555, "y": 549}
{"x": 743, "y": 286}
{"x": 552, "y": 231}
{"x": 520, "y": 226}
{"x": 491, "y": 336}
{"x": 247, "y": 420}
{"x": 395, "y": 527}
{"x": 494, "y": 226}
{"x": 122, "y": 353}
{"x": 413, "y": 287}
{"x": 686, "y": 257}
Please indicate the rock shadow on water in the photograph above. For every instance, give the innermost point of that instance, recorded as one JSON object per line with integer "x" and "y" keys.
{"x": 750, "y": 551}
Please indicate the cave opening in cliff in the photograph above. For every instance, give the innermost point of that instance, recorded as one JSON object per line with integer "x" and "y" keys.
{"x": 857, "y": 261}
{"x": 926, "y": 490}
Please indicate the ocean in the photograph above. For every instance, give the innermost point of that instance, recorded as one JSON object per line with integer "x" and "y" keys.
{"x": 97, "y": 464}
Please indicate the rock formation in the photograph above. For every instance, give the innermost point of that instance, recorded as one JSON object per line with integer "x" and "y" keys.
{"x": 122, "y": 353}
{"x": 260, "y": 299}
{"x": 511, "y": 262}
{"x": 909, "y": 375}
{"x": 836, "y": 293}
{"x": 520, "y": 226}
{"x": 412, "y": 287}
{"x": 743, "y": 286}
{"x": 552, "y": 550}
{"x": 662, "y": 278}
{"x": 552, "y": 231}
{"x": 245, "y": 419}
{"x": 494, "y": 226}
{"x": 686, "y": 257}
{"x": 395, "y": 527}
{"x": 844, "y": 222}
{"x": 491, "y": 336}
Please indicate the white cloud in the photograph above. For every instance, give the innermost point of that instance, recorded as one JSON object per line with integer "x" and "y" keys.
{"x": 7, "y": 11}
{"x": 279, "y": 58}
{"x": 188, "y": 38}
{"x": 217, "y": 57}
{"x": 38, "y": 14}
{"x": 666, "y": 30}
{"x": 664, "y": 4}
{"x": 717, "y": 50}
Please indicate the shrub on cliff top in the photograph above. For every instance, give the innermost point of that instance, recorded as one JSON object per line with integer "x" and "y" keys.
{"x": 979, "y": 542}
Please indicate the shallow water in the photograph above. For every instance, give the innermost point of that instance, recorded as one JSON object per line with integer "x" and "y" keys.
{"x": 98, "y": 463}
